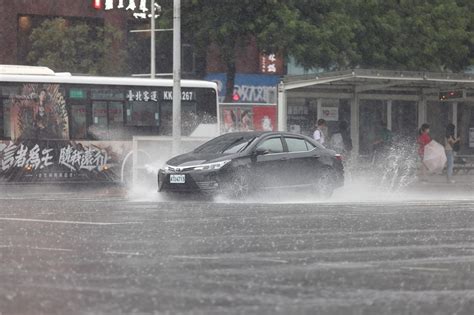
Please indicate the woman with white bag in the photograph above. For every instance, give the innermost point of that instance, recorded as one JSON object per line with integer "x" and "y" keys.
{"x": 433, "y": 155}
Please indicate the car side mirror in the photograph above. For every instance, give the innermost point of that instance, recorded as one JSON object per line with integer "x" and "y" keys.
{"x": 261, "y": 151}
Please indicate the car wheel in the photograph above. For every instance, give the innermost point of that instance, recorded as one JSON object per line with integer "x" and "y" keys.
{"x": 238, "y": 185}
{"x": 324, "y": 185}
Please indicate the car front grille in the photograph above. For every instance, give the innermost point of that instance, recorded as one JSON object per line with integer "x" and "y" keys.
{"x": 175, "y": 169}
{"x": 207, "y": 185}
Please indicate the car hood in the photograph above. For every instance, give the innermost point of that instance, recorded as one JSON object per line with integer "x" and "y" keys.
{"x": 190, "y": 159}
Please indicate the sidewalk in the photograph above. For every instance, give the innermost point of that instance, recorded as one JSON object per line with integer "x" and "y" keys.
{"x": 437, "y": 184}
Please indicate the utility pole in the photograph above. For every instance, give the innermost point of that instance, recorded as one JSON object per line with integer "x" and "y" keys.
{"x": 176, "y": 77}
{"x": 152, "y": 41}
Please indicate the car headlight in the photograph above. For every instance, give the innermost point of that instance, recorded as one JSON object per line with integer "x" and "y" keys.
{"x": 211, "y": 166}
{"x": 165, "y": 168}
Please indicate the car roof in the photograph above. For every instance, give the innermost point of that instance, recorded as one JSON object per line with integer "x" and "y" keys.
{"x": 263, "y": 133}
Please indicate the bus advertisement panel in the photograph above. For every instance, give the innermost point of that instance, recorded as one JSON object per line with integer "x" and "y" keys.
{"x": 67, "y": 128}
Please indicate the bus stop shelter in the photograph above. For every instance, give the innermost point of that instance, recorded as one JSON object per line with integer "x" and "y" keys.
{"x": 398, "y": 96}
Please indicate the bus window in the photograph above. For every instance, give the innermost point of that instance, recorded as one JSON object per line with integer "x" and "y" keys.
{"x": 5, "y": 109}
{"x": 78, "y": 122}
{"x": 5, "y": 132}
{"x": 189, "y": 118}
{"x": 142, "y": 114}
{"x": 99, "y": 129}
{"x": 166, "y": 119}
{"x": 115, "y": 120}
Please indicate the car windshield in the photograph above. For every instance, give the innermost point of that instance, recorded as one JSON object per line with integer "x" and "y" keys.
{"x": 226, "y": 144}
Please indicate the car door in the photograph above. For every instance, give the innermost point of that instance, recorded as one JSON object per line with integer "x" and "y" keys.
{"x": 303, "y": 161}
{"x": 269, "y": 168}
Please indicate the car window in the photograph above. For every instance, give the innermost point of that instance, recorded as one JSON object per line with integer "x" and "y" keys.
{"x": 273, "y": 145}
{"x": 310, "y": 145}
{"x": 296, "y": 145}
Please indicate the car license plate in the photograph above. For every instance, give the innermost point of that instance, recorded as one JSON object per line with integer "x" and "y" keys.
{"x": 177, "y": 179}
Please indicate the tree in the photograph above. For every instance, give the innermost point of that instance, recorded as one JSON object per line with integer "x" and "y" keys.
{"x": 78, "y": 48}
{"x": 229, "y": 24}
{"x": 429, "y": 35}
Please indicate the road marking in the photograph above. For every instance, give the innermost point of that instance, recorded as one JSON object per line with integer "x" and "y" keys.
{"x": 68, "y": 222}
{"x": 52, "y": 249}
{"x": 227, "y": 258}
{"x": 424, "y": 269}
{"x": 123, "y": 253}
{"x": 39, "y": 248}
{"x": 194, "y": 257}
{"x": 269, "y": 260}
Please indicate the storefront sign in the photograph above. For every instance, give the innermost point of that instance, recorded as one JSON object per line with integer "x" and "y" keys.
{"x": 132, "y": 5}
{"x": 471, "y": 137}
{"x": 250, "y": 88}
{"x": 330, "y": 113}
{"x": 271, "y": 63}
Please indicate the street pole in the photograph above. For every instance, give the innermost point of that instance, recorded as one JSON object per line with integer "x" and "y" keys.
{"x": 152, "y": 40}
{"x": 176, "y": 77}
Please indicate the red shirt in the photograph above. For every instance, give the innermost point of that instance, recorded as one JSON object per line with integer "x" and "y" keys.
{"x": 423, "y": 140}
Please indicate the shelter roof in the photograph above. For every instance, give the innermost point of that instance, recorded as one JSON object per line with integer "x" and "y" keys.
{"x": 381, "y": 79}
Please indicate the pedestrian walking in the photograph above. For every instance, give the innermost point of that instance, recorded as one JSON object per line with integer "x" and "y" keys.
{"x": 423, "y": 139}
{"x": 451, "y": 142}
{"x": 318, "y": 134}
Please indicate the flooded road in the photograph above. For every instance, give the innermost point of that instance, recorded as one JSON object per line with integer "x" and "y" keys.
{"x": 83, "y": 254}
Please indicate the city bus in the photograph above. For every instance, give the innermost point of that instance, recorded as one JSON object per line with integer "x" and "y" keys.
{"x": 58, "y": 127}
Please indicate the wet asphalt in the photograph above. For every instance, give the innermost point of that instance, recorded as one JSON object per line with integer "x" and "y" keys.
{"x": 106, "y": 251}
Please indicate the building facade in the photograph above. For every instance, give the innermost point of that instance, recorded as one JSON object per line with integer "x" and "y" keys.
{"x": 19, "y": 17}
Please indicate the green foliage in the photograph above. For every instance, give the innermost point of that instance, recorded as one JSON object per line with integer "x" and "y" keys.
{"x": 434, "y": 35}
{"x": 232, "y": 24}
{"x": 392, "y": 34}
{"x": 78, "y": 48}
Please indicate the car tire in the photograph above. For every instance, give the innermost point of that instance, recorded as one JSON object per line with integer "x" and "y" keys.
{"x": 237, "y": 185}
{"x": 324, "y": 184}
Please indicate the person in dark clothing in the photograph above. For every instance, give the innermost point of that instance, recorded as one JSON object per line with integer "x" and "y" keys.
{"x": 450, "y": 141}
